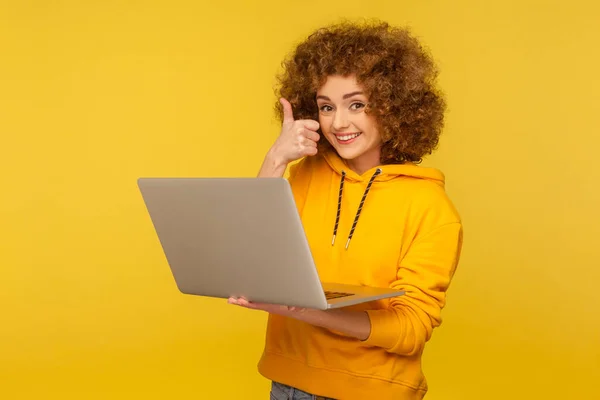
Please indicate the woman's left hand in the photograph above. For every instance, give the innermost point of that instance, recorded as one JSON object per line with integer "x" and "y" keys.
{"x": 293, "y": 312}
{"x": 350, "y": 323}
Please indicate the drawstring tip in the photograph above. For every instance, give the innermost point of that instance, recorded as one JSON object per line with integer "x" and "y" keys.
{"x": 348, "y": 243}
{"x": 333, "y": 240}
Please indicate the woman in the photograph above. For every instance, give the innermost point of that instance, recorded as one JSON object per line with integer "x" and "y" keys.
{"x": 360, "y": 110}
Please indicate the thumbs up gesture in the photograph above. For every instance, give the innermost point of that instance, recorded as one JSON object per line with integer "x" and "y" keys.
{"x": 298, "y": 138}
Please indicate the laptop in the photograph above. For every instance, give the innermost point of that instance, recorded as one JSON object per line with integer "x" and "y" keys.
{"x": 242, "y": 237}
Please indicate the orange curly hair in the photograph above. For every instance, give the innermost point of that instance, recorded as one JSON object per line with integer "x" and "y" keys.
{"x": 396, "y": 73}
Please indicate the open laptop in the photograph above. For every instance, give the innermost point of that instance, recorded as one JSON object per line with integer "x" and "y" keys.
{"x": 242, "y": 237}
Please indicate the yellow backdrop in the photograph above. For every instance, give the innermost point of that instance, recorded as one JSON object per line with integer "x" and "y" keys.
{"x": 95, "y": 94}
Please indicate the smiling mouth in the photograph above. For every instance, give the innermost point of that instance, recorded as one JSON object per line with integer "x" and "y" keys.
{"x": 347, "y": 137}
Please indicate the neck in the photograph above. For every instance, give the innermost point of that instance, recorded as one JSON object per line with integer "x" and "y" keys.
{"x": 364, "y": 162}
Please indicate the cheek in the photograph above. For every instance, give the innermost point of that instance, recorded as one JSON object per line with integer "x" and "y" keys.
{"x": 324, "y": 124}
{"x": 368, "y": 124}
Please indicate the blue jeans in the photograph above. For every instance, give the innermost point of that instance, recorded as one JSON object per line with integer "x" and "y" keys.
{"x": 283, "y": 392}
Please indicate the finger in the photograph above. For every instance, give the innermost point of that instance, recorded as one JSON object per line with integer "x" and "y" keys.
{"x": 288, "y": 114}
{"x": 310, "y": 150}
{"x": 309, "y": 124}
{"x": 306, "y": 134}
{"x": 308, "y": 142}
{"x": 312, "y": 135}
{"x": 245, "y": 303}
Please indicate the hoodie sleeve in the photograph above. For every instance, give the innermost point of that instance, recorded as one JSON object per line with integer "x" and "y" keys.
{"x": 424, "y": 274}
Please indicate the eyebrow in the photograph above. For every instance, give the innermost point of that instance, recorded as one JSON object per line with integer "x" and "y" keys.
{"x": 346, "y": 96}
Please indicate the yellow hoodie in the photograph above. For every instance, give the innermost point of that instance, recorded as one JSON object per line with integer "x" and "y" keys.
{"x": 407, "y": 235}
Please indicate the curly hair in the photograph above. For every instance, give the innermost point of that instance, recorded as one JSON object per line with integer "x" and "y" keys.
{"x": 396, "y": 73}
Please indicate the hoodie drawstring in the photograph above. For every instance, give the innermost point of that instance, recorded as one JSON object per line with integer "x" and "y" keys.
{"x": 337, "y": 216}
{"x": 360, "y": 206}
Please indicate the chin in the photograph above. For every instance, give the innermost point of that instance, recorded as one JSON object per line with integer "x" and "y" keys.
{"x": 348, "y": 153}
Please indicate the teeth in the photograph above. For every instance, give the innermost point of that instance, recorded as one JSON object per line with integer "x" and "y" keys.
{"x": 348, "y": 137}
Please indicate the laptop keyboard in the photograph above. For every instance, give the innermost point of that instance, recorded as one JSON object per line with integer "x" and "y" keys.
{"x": 336, "y": 295}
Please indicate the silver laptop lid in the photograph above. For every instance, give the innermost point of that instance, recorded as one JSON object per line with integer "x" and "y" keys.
{"x": 234, "y": 237}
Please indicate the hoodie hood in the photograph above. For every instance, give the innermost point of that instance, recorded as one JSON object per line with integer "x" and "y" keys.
{"x": 381, "y": 173}
{"x": 386, "y": 172}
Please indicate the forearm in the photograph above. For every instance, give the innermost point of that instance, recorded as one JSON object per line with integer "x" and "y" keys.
{"x": 350, "y": 323}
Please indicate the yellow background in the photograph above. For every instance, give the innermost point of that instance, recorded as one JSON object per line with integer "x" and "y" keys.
{"x": 94, "y": 94}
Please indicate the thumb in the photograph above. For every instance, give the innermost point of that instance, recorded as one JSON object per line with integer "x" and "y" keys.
{"x": 288, "y": 114}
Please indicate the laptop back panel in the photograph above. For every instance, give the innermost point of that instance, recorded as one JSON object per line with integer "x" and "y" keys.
{"x": 234, "y": 237}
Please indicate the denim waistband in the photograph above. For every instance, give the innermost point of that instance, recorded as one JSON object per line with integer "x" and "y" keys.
{"x": 280, "y": 391}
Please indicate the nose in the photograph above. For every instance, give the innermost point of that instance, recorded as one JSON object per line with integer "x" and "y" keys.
{"x": 340, "y": 120}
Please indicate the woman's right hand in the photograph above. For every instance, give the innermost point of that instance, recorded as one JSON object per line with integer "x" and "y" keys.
{"x": 297, "y": 138}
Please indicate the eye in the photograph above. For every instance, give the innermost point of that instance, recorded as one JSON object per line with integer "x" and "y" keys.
{"x": 326, "y": 108}
{"x": 356, "y": 106}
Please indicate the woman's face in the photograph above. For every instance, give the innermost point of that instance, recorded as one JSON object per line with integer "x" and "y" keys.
{"x": 345, "y": 124}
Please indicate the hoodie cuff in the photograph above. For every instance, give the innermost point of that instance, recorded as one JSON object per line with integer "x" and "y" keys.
{"x": 385, "y": 328}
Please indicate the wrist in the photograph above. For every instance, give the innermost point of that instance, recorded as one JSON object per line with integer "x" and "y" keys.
{"x": 275, "y": 160}
{"x": 354, "y": 324}
{"x": 273, "y": 165}
{"x": 315, "y": 317}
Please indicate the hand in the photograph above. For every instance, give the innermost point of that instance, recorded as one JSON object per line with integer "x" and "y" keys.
{"x": 297, "y": 138}
{"x": 349, "y": 323}
{"x": 294, "y": 312}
